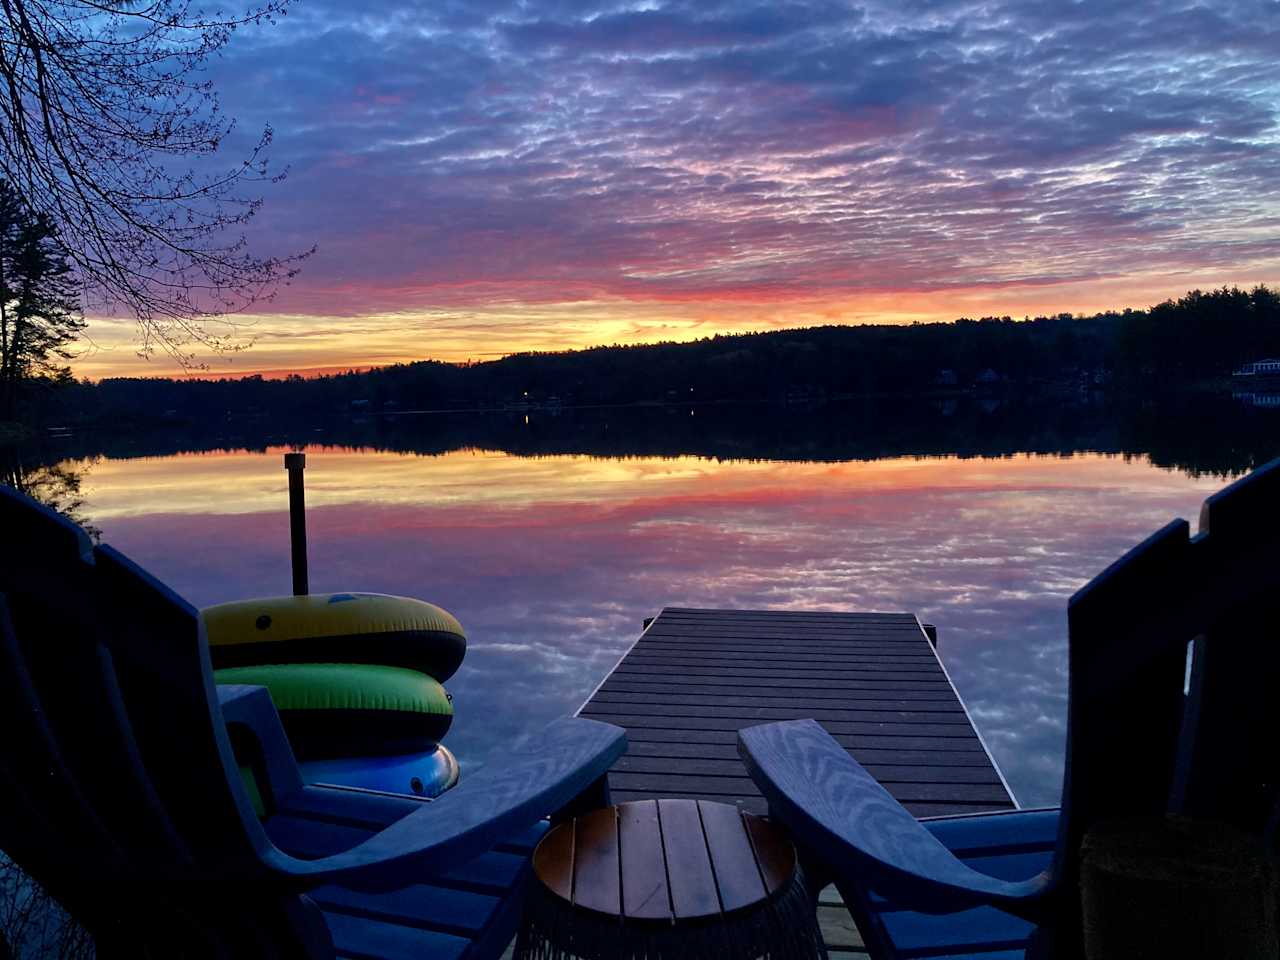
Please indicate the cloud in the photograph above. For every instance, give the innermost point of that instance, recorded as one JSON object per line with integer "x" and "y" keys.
{"x": 453, "y": 156}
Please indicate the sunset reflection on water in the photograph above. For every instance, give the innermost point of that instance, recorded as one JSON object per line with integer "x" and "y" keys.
{"x": 552, "y": 562}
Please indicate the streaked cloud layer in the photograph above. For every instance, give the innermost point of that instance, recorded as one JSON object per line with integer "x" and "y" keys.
{"x": 489, "y": 176}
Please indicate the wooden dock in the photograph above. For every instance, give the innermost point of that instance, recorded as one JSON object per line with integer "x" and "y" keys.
{"x": 696, "y": 677}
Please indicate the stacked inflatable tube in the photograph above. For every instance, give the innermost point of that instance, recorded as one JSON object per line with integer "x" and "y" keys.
{"x": 357, "y": 679}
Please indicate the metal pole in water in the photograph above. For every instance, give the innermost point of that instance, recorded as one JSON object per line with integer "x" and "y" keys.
{"x": 295, "y": 463}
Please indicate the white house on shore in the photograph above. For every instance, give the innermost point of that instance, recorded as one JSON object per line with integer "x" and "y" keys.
{"x": 1259, "y": 368}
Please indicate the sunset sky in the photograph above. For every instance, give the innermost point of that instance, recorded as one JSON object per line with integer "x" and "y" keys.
{"x": 488, "y": 176}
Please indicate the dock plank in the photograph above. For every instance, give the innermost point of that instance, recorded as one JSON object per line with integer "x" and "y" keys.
{"x": 886, "y": 727}
{"x": 720, "y": 767}
{"x": 930, "y": 704}
{"x": 869, "y": 755}
{"x": 767, "y": 652}
{"x": 696, "y": 677}
{"x": 853, "y": 742}
{"x": 926, "y": 686}
{"x": 842, "y": 649}
{"x": 857, "y": 712}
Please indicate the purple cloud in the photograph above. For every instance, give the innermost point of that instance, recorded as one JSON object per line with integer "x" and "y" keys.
{"x": 455, "y": 154}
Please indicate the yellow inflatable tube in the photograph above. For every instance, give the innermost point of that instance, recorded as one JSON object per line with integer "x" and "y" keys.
{"x": 368, "y": 628}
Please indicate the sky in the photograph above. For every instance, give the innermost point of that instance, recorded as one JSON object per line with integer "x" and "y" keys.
{"x": 488, "y": 176}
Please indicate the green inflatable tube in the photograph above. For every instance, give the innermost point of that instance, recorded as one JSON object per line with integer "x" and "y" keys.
{"x": 351, "y": 709}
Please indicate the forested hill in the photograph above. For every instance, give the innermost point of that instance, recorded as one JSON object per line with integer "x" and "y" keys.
{"x": 1182, "y": 343}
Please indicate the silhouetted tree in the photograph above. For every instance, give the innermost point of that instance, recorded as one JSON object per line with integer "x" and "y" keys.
{"x": 1199, "y": 336}
{"x": 98, "y": 98}
{"x": 39, "y": 301}
{"x": 1121, "y": 353}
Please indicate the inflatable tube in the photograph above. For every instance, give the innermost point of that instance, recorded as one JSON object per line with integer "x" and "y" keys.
{"x": 356, "y": 710}
{"x": 426, "y": 774}
{"x": 363, "y": 628}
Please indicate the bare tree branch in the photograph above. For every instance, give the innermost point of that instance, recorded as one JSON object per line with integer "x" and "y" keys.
{"x": 97, "y": 99}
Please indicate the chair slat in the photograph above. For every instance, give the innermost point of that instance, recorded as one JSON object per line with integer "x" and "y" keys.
{"x": 460, "y": 913}
{"x": 1223, "y": 772}
{"x": 1247, "y": 511}
{"x": 359, "y": 937}
{"x": 166, "y": 680}
{"x": 981, "y": 928}
{"x": 1127, "y": 660}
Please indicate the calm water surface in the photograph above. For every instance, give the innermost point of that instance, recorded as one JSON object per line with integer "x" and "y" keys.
{"x": 552, "y": 562}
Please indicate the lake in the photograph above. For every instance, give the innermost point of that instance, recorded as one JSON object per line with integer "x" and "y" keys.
{"x": 552, "y": 550}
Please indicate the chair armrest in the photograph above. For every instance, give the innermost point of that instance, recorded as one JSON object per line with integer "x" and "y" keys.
{"x": 250, "y": 707}
{"x": 510, "y": 793}
{"x": 838, "y": 810}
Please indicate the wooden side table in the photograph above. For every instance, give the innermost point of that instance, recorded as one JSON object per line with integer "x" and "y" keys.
{"x": 667, "y": 879}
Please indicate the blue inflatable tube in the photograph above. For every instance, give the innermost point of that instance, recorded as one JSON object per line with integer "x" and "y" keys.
{"x": 424, "y": 774}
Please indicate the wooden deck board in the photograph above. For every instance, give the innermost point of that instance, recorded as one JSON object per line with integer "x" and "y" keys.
{"x": 696, "y": 677}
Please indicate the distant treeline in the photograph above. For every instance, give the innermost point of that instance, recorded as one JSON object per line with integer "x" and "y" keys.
{"x": 1192, "y": 342}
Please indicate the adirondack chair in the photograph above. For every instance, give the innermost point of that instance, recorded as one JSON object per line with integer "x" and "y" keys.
{"x": 1142, "y": 741}
{"x": 122, "y": 791}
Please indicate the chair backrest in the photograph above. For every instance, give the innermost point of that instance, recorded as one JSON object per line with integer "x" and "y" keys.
{"x": 165, "y": 677}
{"x": 116, "y": 757}
{"x": 1229, "y": 767}
{"x": 59, "y": 707}
{"x": 1144, "y": 736}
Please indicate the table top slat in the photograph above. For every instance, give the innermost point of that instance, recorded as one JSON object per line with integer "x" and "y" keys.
{"x": 732, "y": 857}
{"x": 671, "y": 877}
{"x": 596, "y": 875}
{"x": 553, "y": 861}
{"x": 644, "y": 872}
{"x": 777, "y": 861}
{"x": 692, "y": 882}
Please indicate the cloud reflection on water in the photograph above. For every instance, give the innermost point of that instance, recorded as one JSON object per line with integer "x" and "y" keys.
{"x": 551, "y": 563}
